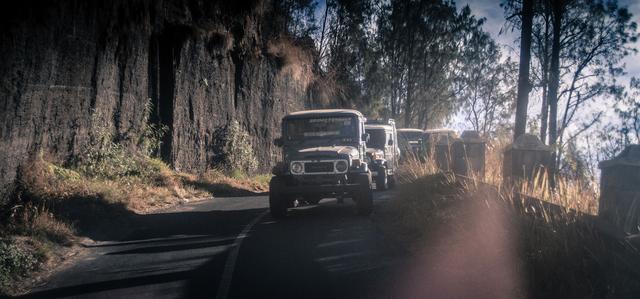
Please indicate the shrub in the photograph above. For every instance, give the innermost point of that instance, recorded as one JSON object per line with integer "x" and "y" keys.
{"x": 150, "y": 139}
{"x": 15, "y": 261}
{"x": 237, "y": 152}
{"x": 104, "y": 158}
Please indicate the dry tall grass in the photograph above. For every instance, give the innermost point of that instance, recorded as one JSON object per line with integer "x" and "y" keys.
{"x": 559, "y": 253}
{"x": 413, "y": 169}
{"x": 549, "y": 255}
{"x": 293, "y": 59}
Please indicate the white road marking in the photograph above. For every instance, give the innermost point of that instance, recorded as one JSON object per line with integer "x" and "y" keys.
{"x": 230, "y": 264}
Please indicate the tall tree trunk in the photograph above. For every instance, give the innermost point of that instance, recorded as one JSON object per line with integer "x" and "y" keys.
{"x": 523, "y": 76}
{"x": 408, "y": 104}
{"x": 544, "y": 113}
{"x": 554, "y": 83}
{"x": 544, "y": 55}
{"x": 324, "y": 26}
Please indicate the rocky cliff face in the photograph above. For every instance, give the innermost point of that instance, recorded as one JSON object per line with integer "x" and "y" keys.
{"x": 69, "y": 65}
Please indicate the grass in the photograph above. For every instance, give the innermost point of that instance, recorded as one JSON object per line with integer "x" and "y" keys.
{"x": 546, "y": 257}
{"x": 234, "y": 183}
{"x": 54, "y": 204}
{"x": 292, "y": 58}
{"x": 439, "y": 217}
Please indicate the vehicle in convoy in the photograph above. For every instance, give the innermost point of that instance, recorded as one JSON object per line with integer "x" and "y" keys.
{"x": 432, "y": 136}
{"x": 323, "y": 155}
{"x": 383, "y": 153}
{"x": 412, "y": 144}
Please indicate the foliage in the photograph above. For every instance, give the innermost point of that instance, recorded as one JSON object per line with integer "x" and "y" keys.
{"x": 152, "y": 134}
{"x": 629, "y": 113}
{"x": 15, "y": 261}
{"x": 297, "y": 16}
{"x": 105, "y": 158}
{"x": 237, "y": 152}
{"x": 622, "y": 130}
{"x": 423, "y": 48}
{"x": 403, "y": 59}
{"x": 589, "y": 38}
{"x": 487, "y": 85}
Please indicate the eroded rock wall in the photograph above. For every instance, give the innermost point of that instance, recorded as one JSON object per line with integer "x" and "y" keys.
{"x": 71, "y": 65}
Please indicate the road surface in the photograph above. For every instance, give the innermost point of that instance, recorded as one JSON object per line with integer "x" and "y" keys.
{"x": 232, "y": 248}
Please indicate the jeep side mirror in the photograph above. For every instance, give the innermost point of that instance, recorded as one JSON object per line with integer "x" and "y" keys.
{"x": 278, "y": 142}
{"x": 365, "y": 137}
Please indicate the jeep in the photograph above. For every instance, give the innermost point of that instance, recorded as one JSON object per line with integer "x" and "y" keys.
{"x": 323, "y": 156}
{"x": 412, "y": 143}
{"x": 432, "y": 136}
{"x": 382, "y": 152}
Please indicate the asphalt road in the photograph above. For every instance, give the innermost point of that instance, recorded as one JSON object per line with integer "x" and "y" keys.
{"x": 232, "y": 248}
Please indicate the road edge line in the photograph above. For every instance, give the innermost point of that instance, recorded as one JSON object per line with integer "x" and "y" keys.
{"x": 230, "y": 264}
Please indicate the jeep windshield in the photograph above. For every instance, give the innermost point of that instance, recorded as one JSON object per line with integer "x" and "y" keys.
{"x": 330, "y": 128}
{"x": 377, "y": 138}
{"x": 410, "y": 137}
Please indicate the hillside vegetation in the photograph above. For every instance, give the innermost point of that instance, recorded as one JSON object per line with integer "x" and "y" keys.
{"x": 480, "y": 232}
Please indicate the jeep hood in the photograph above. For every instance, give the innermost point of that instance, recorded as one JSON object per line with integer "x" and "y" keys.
{"x": 372, "y": 151}
{"x": 323, "y": 152}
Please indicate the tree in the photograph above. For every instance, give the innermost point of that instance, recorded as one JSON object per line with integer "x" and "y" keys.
{"x": 629, "y": 113}
{"x": 489, "y": 85}
{"x": 297, "y": 16}
{"x": 523, "y": 74}
{"x": 593, "y": 38}
{"x": 579, "y": 45}
{"x": 422, "y": 47}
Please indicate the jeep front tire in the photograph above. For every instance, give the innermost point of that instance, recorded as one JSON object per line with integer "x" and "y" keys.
{"x": 364, "y": 196}
{"x": 278, "y": 202}
{"x": 381, "y": 179}
{"x": 391, "y": 181}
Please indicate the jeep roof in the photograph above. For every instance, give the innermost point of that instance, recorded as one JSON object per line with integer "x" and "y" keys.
{"x": 323, "y": 113}
{"x": 410, "y": 130}
{"x": 441, "y": 130}
{"x": 378, "y": 127}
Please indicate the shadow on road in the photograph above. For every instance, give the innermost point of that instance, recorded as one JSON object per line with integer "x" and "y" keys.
{"x": 324, "y": 251}
{"x": 318, "y": 252}
{"x": 159, "y": 250}
{"x": 223, "y": 189}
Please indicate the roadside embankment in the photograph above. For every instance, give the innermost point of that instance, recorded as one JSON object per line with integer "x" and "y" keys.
{"x": 58, "y": 207}
{"x": 470, "y": 240}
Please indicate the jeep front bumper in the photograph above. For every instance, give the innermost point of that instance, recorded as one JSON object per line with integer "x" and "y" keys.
{"x": 322, "y": 189}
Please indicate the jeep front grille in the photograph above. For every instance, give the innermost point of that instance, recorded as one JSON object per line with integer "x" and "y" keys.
{"x": 318, "y": 167}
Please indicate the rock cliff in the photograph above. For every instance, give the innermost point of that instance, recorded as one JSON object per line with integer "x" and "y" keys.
{"x": 69, "y": 65}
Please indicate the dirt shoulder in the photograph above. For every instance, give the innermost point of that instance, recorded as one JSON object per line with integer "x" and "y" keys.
{"x": 57, "y": 209}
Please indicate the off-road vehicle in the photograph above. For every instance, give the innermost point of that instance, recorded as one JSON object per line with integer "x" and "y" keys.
{"x": 432, "y": 136}
{"x": 383, "y": 153}
{"x": 323, "y": 155}
{"x": 412, "y": 144}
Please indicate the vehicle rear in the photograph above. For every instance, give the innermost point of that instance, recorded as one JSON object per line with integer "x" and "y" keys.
{"x": 412, "y": 143}
{"x": 382, "y": 154}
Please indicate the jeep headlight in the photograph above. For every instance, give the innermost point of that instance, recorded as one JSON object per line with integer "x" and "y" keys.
{"x": 354, "y": 153}
{"x": 341, "y": 166}
{"x": 297, "y": 167}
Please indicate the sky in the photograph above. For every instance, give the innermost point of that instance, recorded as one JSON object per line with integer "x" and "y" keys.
{"x": 491, "y": 10}
{"x": 493, "y": 13}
